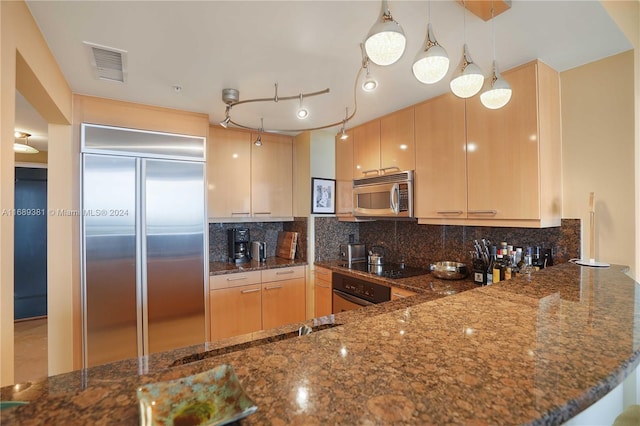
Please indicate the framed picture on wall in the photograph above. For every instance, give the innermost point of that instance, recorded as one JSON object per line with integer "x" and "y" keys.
{"x": 323, "y": 196}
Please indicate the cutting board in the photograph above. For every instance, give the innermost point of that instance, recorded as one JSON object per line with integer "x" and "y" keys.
{"x": 286, "y": 246}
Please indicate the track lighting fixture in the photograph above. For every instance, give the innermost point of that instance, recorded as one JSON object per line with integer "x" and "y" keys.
{"x": 302, "y": 112}
{"x": 224, "y": 123}
{"x": 258, "y": 141}
{"x": 386, "y": 41}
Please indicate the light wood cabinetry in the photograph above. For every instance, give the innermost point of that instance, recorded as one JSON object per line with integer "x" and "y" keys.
{"x": 235, "y": 304}
{"x": 366, "y": 149}
{"x": 272, "y": 176}
{"x": 400, "y": 293}
{"x": 247, "y": 182}
{"x": 397, "y": 145}
{"x": 513, "y": 154}
{"x": 344, "y": 175}
{"x": 228, "y": 165}
{"x": 510, "y": 162}
{"x": 441, "y": 159}
{"x": 283, "y": 296}
{"x": 322, "y": 292}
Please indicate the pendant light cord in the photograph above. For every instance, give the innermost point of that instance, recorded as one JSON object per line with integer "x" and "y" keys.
{"x": 493, "y": 32}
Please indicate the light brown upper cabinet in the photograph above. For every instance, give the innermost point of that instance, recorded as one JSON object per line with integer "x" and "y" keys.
{"x": 247, "y": 182}
{"x": 514, "y": 153}
{"x": 511, "y": 156}
{"x": 397, "y": 147}
{"x": 366, "y": 149}
{"x": 228, "y": 173}
{"x": 441, "y": 163}
{"x": 272, "y": 177}
{"x": 344, "y": 175}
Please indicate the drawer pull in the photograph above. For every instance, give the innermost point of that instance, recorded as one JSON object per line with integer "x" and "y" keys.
{"x": 365, "y": 172}
{"x": 250, "y": 290}
{"x": 323, "y": 286}
{"x": 384, "y": 169}
{"x": 275, "y": 287}
{"x": 239, "y": 213}
{"x": 491, "y": 212}
{"x": 262, "y": 213}
{"x": 290, "y": 271}
{"x": 243, "y": 277}
{"x": 401, "y": 296}
{"x": 450, "y": 212}
{"x": 322, "y": 272}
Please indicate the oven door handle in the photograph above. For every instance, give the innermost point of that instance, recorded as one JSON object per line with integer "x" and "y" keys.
{"x": 353, "y": 299}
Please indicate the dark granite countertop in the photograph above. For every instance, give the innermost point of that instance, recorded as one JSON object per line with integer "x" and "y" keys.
{"x": 532, "y": 350}
{"x": 219, "y": 268}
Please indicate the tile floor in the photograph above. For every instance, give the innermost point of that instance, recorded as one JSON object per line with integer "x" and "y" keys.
{"x": 30, "y": 347}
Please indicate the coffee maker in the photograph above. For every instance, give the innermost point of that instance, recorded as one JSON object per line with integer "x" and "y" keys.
{"x": 238, "y": 245}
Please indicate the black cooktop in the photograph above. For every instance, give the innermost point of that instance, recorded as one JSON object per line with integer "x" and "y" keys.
{"x": 388, "y": 270}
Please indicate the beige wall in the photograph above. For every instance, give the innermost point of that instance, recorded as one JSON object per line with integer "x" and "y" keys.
{"x": 598, "y": 154}
{"x": 27, "y": 65}
{"x": 41, "y": 157}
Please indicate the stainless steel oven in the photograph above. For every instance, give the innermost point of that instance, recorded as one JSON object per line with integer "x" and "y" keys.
{"x": 351, "y": 293}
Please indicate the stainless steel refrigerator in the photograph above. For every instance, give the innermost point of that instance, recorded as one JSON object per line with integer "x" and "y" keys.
{"x": 143, "y": 242}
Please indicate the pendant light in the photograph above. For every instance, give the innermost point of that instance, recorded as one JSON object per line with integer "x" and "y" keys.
{"x": 23, "y": 148}
{"x": 498, "y": 92}
{"x": 385, "y": 42}
{"x": 258, "y": 141}
{"x": 302, "y": 112}
{"x": 468, "y": 78}
{"x": 432, "y": 63}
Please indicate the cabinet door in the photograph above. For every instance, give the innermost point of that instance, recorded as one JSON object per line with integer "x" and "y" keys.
{"x": 344, "y": 175}
{"x": 400, "y": 293}
{"x": 366, "y": 149}
{"x": 397, "y": 146}
{"x": 235, "y": 311}
{"x": 272, "y": 176}
{"x": 441, "y": 165}
{"x": 502, "y": 153}
{"x": 283, "y": 302}
{"x": 228, "y": 173}
{"x": 322, "y": 292}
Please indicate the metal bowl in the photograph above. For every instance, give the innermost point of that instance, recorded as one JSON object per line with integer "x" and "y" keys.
{"x": 449, "y": 270}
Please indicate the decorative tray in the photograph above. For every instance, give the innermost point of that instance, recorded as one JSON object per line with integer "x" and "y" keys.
{"x": 213, "y": 397}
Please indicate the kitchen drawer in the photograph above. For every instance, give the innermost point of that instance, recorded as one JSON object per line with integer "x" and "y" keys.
{"x": 238, "y": 279}
{"x": 279, "y": 274}
{"x": 400, "y": 293}
{"x": 322, "y": 274}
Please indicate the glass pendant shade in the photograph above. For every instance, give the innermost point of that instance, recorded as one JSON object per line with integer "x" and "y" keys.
{"x": 432, "y": 63}
{"x": 24, "y": 149}
{"x": 468, "y": 79}
{"x": 386, "y": 42}
{"x": 498, "y": 93}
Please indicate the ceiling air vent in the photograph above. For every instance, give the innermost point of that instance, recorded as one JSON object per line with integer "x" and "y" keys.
{"x": 108, "y": 63}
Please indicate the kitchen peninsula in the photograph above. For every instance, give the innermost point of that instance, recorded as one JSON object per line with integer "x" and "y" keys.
{"x": 535, "y": 350}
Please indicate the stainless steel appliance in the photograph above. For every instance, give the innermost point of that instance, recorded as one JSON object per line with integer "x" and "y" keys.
{"x": 238, "y": 245}
{"x": 384, "y": 196}
{"x": 259, "y": 251}
{"x": 350, "y": 293}
{"x": 353, "y": 253}
{"x": 144, "y": 234}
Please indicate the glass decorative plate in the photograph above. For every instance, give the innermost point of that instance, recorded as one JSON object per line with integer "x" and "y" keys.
{"x": 213, "y": 397}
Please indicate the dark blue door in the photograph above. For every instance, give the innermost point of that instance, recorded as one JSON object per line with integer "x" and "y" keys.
{"x": 30, "y": 243}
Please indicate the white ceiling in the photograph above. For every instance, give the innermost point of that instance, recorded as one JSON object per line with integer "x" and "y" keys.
{"x": 305, "y": 46}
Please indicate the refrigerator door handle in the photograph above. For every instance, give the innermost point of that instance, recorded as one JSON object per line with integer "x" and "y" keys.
{"x": 141, "y": 264}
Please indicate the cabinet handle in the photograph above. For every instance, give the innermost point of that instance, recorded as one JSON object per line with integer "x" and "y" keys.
{"x": 250, "y": 290}
{"x": 243, "y": 277}
{"x": 322, "y": 272}
{"x": 491, "y": 212}
{"x": 456, "y": 212}
{"x": 323, "y": 286}
{"x": 401, "y": 296}
{"x": 384, "y": 169}
{"x": 239, "y": 213}
{"x": 290, "y": 271}
{"x": 262, "y": 213}
{"x": 364, "y": 172}
{"x": 273, "y": 287}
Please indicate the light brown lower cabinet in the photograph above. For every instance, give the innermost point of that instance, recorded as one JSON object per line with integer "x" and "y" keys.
{"x": 322, "y": 292}
{"x": 246, "y": 302}
{"x": 400, "y": 293}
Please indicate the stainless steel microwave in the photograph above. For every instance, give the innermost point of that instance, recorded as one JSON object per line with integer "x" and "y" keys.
{"x": 384, "y": 196}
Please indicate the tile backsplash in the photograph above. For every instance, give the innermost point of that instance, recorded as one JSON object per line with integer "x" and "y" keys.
{"x": 420, "y": 245}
